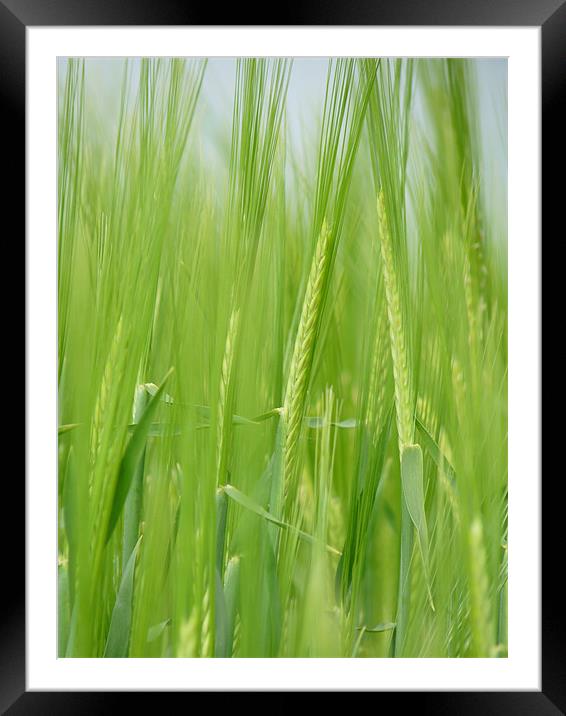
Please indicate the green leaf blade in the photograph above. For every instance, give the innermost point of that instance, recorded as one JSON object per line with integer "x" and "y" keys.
{"x": 118, "y": 640}
{"x": 131, "y": 458}
{"x": 413, "y": 494}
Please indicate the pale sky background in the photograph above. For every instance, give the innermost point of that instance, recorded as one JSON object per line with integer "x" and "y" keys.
{"x": 306, "y": 87}
{"x": 304, "y": 103}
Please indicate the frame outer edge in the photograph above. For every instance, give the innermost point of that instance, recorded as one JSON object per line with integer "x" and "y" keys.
{"x": 553, "y": 85}
{"x": 12, "y": 119}
{"x": 12, "y": 97}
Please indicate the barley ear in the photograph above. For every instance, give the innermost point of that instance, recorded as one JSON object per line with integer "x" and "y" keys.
{"x": 224, "y": 413}
{"x": 301, "y": 362}
{"x": 405, "y": 421}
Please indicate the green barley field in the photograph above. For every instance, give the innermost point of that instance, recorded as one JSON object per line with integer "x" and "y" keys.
{"x": 282, "y": 358}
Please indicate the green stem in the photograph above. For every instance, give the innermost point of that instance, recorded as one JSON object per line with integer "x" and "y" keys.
{"x": 403, "y": 593}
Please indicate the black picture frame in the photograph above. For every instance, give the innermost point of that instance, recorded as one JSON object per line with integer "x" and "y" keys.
{"x": 15, "y": 16}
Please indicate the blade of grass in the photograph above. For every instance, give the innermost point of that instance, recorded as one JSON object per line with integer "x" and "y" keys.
{"x": 118, "y": 639}
{"x": 64, "y": 609}
{"x": 231, "y": 597}
{"x": 131, "y": 458}
{"x": 157, "y": 630}
{"x": 413, "y": 493}
{"x": 435, "y": 452}
{"x": 133, "y": 504}
{"x": 249, "y": 504}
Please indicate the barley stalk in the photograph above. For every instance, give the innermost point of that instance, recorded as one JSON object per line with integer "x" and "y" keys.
{"x": 405, "y": 423}
{"x": 206, "y": 640}
{"x": 336, "y": 529}
{"x": 470, "y": 310}
{"x": 237, "y": 636}
{"x": 378, "y": 380}
{"x": 101, "y": 405}
{"x": 299, "y": 374}
{"x": 224, "y": 389}
{"x": 459, "y": 389}
{"x": 404, "y": 415}
{"x": 102, "y": 448}
{"x": 481, "y": 620}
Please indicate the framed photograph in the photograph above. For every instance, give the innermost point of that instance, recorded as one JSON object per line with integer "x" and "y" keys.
{"x": 283, "y": 353}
